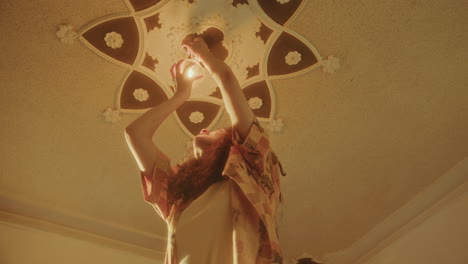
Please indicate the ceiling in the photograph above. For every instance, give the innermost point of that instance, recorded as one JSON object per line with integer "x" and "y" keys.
{"x": 357, "y": 144}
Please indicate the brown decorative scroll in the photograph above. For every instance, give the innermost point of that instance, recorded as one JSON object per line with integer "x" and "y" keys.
{"x": 217, "y": 93}
{"x": 239, "y": 2}
{"x": 306, "y": 261}
{"x": 142, "y": 4}
{"x": 209, "y": 111}
{"x": 253, "y": 71}
{"x": 264, "y": 33}
{"x": 124, "y": 26}
{"x": 284, "y": 44}
{"x": 260, "y": 90}
{"x": 139, "y": 80}
{"x": 280, "y": 13}
{"x": 149, "y": 62}
{"x": 152, "y": 22}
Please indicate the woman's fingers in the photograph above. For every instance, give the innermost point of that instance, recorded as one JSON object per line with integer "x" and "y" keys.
{"x": 188, "y": 49}
{"x": 192, "y": 43}
{"x": 187, "y": 67}
{"x": 179, "y": 66}
{"x": 173, "y": 70}
{"x": 197, "y": 77}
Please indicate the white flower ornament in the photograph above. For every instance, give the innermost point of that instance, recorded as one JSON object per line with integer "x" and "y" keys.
{"x": 276, "y": 125}
{"x": 112, "y": 115}
{"x": 293, "y": 58}
{"x": 255, "y": 102}
{"x": 140, "y": 94}
{"x": 188, "y": 152}
{"x": 331, "y": 65}
{"x": 113, "y": 40}
{"x": 196, "y": 117}
{"x": 66, "y": 34}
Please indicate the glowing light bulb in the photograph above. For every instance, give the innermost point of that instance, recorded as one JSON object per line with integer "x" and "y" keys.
{"x": 191, "y": 72}
{"x": 195, "y": 69}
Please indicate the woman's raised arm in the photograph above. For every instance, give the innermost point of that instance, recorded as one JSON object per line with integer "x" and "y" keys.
{"x": 239, "y": 111}
{"x": 140, "y": 132}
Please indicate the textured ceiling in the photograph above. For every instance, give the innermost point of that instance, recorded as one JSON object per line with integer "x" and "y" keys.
{"x": 357, "y": 144}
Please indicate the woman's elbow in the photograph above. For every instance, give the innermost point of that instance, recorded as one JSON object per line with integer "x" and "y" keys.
{"x": 128, "y": 134}
{"x": 134, "y": 132}
{"x": 128, "y": 130}
{"x": 131, "y": 132}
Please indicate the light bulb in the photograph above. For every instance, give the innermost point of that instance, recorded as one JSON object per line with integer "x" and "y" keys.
{"x": 191, "y": 72}
{"x": 195, "y": 69}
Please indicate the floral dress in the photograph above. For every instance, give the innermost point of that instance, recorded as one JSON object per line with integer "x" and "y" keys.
{"x": 255, "y": 171}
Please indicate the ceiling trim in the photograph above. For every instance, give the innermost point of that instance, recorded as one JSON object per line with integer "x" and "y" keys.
{"x": 424, "y": 205}
{"x": 29, "y": 224}
{"x": 27, "y": 213}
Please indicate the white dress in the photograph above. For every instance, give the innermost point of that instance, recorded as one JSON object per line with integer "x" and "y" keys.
{"x": 204, "y": 230}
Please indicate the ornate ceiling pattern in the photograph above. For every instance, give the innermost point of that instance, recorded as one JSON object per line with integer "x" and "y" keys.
{"x": 250, "y": 36}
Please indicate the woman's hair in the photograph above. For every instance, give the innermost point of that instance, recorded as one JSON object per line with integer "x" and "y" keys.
{"x": 196, "y": 175}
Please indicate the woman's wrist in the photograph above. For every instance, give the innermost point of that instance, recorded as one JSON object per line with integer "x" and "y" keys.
{"x": 183, "y": 95}
{"x": 205, "y": 56}
{"x": 212, "y": 63}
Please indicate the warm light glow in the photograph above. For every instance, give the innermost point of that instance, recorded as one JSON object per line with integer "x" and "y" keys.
{"x": 191, "y": 72}
{"x": 195, "y": 69}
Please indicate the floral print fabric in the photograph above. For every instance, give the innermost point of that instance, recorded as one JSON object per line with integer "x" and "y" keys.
{"x": 255, "y": 170}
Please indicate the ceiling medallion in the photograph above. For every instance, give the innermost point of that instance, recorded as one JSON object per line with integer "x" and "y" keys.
{"x": 250, "y": 36}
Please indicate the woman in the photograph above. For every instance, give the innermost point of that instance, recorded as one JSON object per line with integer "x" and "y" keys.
{"x": 232, "y": 181}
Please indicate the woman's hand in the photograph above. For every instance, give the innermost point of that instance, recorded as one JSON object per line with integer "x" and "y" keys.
{"x": 196, "y": 47}
{"x": 183, "y": 81}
